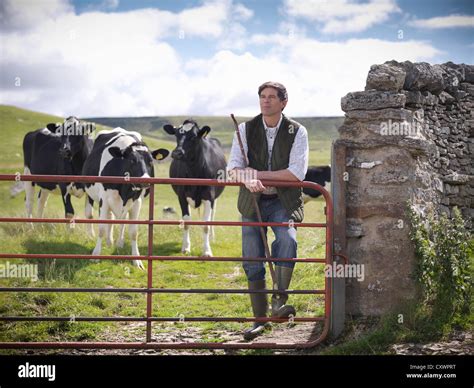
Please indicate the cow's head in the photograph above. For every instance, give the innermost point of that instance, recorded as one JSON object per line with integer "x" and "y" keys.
{"x": 74, "y": 136}
{"x": 136, "y": 159}
{"x": 188, "y": 136}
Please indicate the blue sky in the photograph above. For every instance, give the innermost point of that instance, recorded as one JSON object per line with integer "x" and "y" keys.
{"x": 132, "y": 58}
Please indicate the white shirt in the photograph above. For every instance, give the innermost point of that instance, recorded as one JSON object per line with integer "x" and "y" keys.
{"x": 298, "y": 163}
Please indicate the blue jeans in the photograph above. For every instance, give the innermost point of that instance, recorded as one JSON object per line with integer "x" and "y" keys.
{"x": 283, "y": 247}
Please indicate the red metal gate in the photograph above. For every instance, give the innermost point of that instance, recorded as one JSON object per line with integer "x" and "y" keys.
{"x": 149, "y": 290}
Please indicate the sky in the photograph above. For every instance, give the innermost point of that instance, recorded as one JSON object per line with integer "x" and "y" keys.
{"x": 208, "y": 57}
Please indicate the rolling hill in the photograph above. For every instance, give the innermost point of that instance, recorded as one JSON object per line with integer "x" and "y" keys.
{"x": 319, "y": 128}
{"x": 16, "y": 122}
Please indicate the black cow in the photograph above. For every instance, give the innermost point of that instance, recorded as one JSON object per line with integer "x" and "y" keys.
{"x": 56, "y": 150}
{"x": 317, "y": 174}
{"x": 196, "y": 156}
{"x": 119, "y": 152}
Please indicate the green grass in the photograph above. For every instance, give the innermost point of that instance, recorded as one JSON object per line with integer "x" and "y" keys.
{"x": 419, "y": 325}
{"x": 414, "y": 321}
{"x": 54, "y": 238}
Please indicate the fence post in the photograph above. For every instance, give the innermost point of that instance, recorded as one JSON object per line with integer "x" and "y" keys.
{"x": 338, "y": 292}
{"x": 149, "y": 295}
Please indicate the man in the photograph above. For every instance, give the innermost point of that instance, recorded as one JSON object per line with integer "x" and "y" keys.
{"x": 277, "y": 149}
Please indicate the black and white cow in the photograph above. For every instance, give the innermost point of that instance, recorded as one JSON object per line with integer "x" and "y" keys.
{"x": 196, "y": 156}
{"x": 317, "y": 174}
{"x": 119, "y": 152}
{"x": 58, "y": 149}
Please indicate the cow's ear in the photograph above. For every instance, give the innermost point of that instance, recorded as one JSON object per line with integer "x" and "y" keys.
{"x": 52, "y": 127}
{"x": 160, "y": 154}
{"x": 127, "y": 152}
{"x": 204, "y": 131}
{"x": 116, "y": 152}
{"x": 169, "y": 129}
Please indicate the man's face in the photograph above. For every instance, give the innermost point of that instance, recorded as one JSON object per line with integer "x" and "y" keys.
{"x": 270, "y": 103}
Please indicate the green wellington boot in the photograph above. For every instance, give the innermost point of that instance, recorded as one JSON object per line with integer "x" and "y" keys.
{"x": 259, "y": 308}
{"x": 279, "y": 307}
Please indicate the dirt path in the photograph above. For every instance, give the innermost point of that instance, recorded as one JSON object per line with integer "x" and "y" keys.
{"x": 458, "y": 343}
{"x": 134, "y": 332}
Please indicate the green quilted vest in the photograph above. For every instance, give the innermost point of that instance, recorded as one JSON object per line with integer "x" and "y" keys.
{"x": 290, "y": 197}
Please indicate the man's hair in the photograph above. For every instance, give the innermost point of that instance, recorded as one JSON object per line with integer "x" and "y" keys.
{"x": 282, "y": 93}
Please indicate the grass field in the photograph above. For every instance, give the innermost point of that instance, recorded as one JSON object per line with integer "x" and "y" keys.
{"x": 55, "y": 238}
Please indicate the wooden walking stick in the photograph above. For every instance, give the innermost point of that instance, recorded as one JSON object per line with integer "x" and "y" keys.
{"x": 257, "y": 209}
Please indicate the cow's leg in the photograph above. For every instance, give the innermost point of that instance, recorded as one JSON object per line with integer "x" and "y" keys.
{"x": 121, "y": 239}
{"x": 29, "y": 194}
{"x": 186, "y": 246}
{"x": 42, "y": 199}
{"x": 133, "y": 231}
{"x": 104, "y": 213}
{"x": 207, "y": 217}
{"x": 88, "y": 214}
{"x": 110, "y": 228}
{"x": 69, "y": 210}
{"x": 213, "y": 213}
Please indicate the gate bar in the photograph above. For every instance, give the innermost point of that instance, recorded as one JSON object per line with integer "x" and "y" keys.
{"x": 140, "y": 257}
{"x": 161, "y": 345}
{"x": 158, "y": 222}
{"x": 162, "y": 319}
{"x": 163, "y": 290}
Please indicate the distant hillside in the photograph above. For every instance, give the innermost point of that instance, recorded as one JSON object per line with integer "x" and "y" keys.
{"x": 319, "y": 128}
{"x": 16, "y": 122}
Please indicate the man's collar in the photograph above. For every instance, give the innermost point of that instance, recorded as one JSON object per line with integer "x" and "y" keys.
{"x": 277, "y": 126}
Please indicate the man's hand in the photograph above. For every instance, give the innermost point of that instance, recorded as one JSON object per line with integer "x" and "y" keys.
{"x": 254, "y": 185}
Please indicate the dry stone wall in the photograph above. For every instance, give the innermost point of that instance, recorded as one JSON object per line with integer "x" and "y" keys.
{"x": 408, "y": 137}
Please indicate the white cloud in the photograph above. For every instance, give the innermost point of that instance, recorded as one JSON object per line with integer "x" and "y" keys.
{"x": 110, "y": 63}
{"x": 317, "y": 74}
{"x": 342, "y": 16}
{"x": 120, "y": 64}
{"x": 27, "y": 14}
{"x": 450, "y": 21}
{"x": 205, "y": 20}
{"x": 93, "y": 63}
{"x": 218, "y": 19}
{"x": 243, "y": 13}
